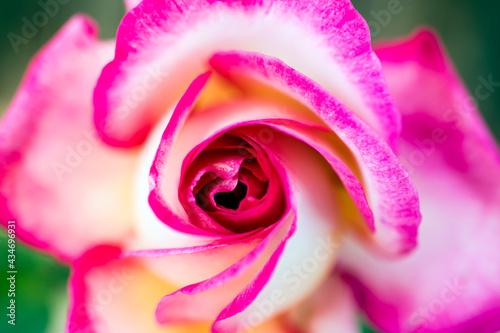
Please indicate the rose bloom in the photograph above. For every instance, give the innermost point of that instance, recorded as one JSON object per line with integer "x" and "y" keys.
{"x": 233, "y": 166}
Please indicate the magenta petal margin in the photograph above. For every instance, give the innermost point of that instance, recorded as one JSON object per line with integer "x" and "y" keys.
{"x": 450, "y": 283}
{"x": 158, "y": 44}
{"x": 52, "y": 161}
{"x": 393, "y": 195}
{"x": 271, "y": 132}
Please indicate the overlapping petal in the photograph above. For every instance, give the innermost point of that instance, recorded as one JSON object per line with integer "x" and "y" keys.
{"x": 205, "y": 300}
{"x": 163, "y": 45}
{"x": 305, "y": 97}
{"x": 205, "y": 126}
{"x": 110, "y": 293}
{"x": 239, "y": 290}
{"x": 450, "y": 282}
{"x": 309, "y": 254}
{"x": 389, "y": 190}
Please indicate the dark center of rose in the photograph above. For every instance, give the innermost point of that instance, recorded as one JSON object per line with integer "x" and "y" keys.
{"x": 231, "y": 200}
{"x": 232, "y": 182}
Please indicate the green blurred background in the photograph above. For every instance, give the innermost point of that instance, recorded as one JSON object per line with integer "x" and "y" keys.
{"x": 470, "y": 30}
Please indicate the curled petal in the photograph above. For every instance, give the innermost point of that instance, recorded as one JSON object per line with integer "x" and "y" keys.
{"x": 240, "y": 291}
{"x": 188, "y": 265}
{"x": 181, "y": 138}
{"x": 163, "y": 45}
{"x": 204, "y": 300}
{"x": 163, "y": 184}
{"x": 318, "y": 213}
{"x": 390, "y": 192}
{"x": 309, "y": 255}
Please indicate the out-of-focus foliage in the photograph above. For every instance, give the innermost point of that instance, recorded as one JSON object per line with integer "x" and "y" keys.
{"x": 40, "y": 290}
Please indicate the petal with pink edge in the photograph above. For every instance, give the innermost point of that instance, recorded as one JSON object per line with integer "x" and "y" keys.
{"x": 163, "y": 45}
{"x": 309, "y": 255}
{"x": 163, "y": 191}
{"x": 389, "y": 190}
{"x": 204, "y": 300}
{"x": 112, "y": 294}
{"x": 318, "y": 217}
{"x": 67, "y": 191}
{"x": 450, "y": 282}
{"x": 184, "y": 266}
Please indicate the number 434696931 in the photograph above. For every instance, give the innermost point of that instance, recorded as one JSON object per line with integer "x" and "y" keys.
{"x": 11, "y": 244}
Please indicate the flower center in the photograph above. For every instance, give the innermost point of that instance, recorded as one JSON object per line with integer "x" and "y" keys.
{"x": 232, "y": 200}
{"x": 231, "y": 183}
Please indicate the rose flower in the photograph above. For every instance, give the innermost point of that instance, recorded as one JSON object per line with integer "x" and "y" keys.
{"x": 234, "y": 166}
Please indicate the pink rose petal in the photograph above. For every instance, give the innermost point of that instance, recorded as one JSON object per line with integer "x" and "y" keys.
{"x": 390, "y": 192}
{"x": 66, "y": 190}
{"x": 163, "y": 45}
{"x": 450, "y": 283}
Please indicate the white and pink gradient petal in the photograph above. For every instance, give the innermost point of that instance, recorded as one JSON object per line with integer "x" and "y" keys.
{"x": 309, "y": 255}
{"x": 314, "y": 247}
{"x": 203, "y": 301}
{"x": 163, "y": 45}
{"x": 335, "y": 309}
{"x": 390, "y": 192}
{"x": 314, "y": 193}
{"x": 271, "y": 261}
{"x": 113, "y": 292}
{"x": 110, "y": 293}
{"x": 189, "y": 265}
{"x": 66, "y": 189}
{"x": 450, "y": 282}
